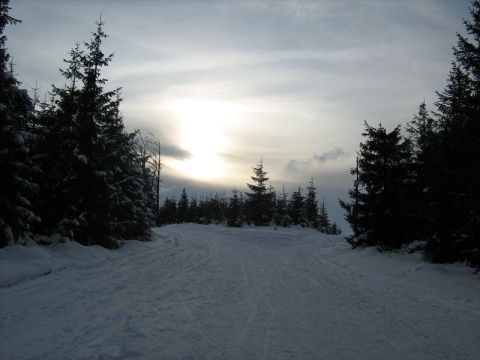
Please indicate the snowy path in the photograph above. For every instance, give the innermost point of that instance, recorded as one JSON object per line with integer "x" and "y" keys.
{"x": 209, "y": 292}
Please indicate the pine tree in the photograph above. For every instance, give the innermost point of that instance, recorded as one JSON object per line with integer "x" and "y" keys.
{"x": 94, "y": 190}
{"x": 233, "y": 215}
{"x": 193, "y": 210}
{"x": 182, "y": 209}
{"x": 336, "y": 229}
{"x": 457, "y": 199}
{"x": 259, "y": 201}
{"x": 281, "y": 216}
{"x": 378, "y": 212}
{"x": 324, "y": 220}
{"x": 296, "y": 209}
{"x": 58, "y": 154}
{"x": 423, "y": 130}
{"x": 311, "y": 206}
{"x": 168, "y": 212}
{"x": 218, "y": 206}
{"x": 204, "y": 215}
{"x": 16, "y": 168}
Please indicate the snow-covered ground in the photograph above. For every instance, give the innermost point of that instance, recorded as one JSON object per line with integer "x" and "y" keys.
{"x": 210, "y": 292}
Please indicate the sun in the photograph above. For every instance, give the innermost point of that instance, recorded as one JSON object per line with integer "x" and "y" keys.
{"x": 202, "y": 133}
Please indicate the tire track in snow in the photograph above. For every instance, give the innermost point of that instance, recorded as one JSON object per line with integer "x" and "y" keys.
{"x": 217, "y": 293}
{"x": 267, "y": 332}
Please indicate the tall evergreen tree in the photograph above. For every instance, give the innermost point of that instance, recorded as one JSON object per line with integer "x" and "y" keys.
{"x": 423, "y": 130}
{"x": 336, "y": 229}
{"x": 16, "y": 186}
{"x": 311, "y": 206}
{"x": 95, "y": 188}
{"x": 193, "y": 210}
{"x": 323, "y": 219}
{"x": 234, "y": 211}
{"x": 168, "y": 212}
{"x": 58, "y": 153}
{"x": 218, "y": 206}
{"x": 296, "y": 208}
{"x": 259, "y": 200}
{"x": 281, "y": 216}
{"x": 182, "y": 208}
{"x": 379, "y": 212}
{"x": 457, "y": 206}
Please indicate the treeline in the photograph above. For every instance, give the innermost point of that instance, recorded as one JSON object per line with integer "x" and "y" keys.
{"x": 67, "y": 164}
{"x": 424, "y": 188}
{"x": 262, "y": 206}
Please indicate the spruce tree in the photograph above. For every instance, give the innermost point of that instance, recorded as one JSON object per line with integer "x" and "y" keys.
{"x": 457, "y": 198}
{"x": 296, "y": 209}
{"x": 168, "y": 212}
{"x": 423, "y": 130}
{"x": 94, "y": 190}
{"x": 378, "y": 212}
{"x": 58, "y": 154}
{"x": 218, "y": 206}
{"x": 182, "y": 208}
{"x": 311, "y": 206}
{"x": 233, "y": 214}
{"x": 323, "y": 219}
{"x": 16, "y": 167}
{"x": 335, "y": 230}
{"x": 259, "y": 201}
{"x": 193, "y": 210}
{"x": 281, "y": 216}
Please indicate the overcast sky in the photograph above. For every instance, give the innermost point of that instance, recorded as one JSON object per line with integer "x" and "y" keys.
{"x": 227, "y": 83}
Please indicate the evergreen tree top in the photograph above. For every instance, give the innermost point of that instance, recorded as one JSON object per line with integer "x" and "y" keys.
{"x": 260, "y": 180}
{"x": 5, "y": 20}
{"x": 95, "y": 58}
{"x": 467, "y": 53}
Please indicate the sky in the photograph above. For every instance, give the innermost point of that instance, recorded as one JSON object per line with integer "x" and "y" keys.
{"x": 227, "y": 84}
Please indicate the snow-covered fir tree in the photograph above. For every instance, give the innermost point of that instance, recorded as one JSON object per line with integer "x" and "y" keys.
{"x": 16, "y": 167}
{"x": 94, "y": 191}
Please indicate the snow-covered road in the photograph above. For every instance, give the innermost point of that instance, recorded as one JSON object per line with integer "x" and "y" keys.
{"x": 210, "y": 292}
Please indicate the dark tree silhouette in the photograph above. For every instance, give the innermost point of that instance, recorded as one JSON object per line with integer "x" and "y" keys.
{"x": 259, "y": 200}
{"x": 16, "y": 168}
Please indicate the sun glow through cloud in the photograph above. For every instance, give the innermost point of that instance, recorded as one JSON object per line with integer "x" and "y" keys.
{"x": 202, "y": 133}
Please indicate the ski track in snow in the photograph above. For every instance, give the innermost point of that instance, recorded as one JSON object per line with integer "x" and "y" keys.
{"x": 210, "y": 292}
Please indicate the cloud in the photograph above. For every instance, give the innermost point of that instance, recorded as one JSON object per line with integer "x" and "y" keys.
{"x": 296, "y": 165}
{"x": 175, "y": 152}
{"x": 330, "y": 155}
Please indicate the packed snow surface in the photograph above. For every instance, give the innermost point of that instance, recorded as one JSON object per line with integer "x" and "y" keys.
{"x": 210, "y": 292}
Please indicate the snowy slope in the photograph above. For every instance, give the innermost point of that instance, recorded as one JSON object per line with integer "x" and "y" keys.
{"x": 210, "y": 292}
